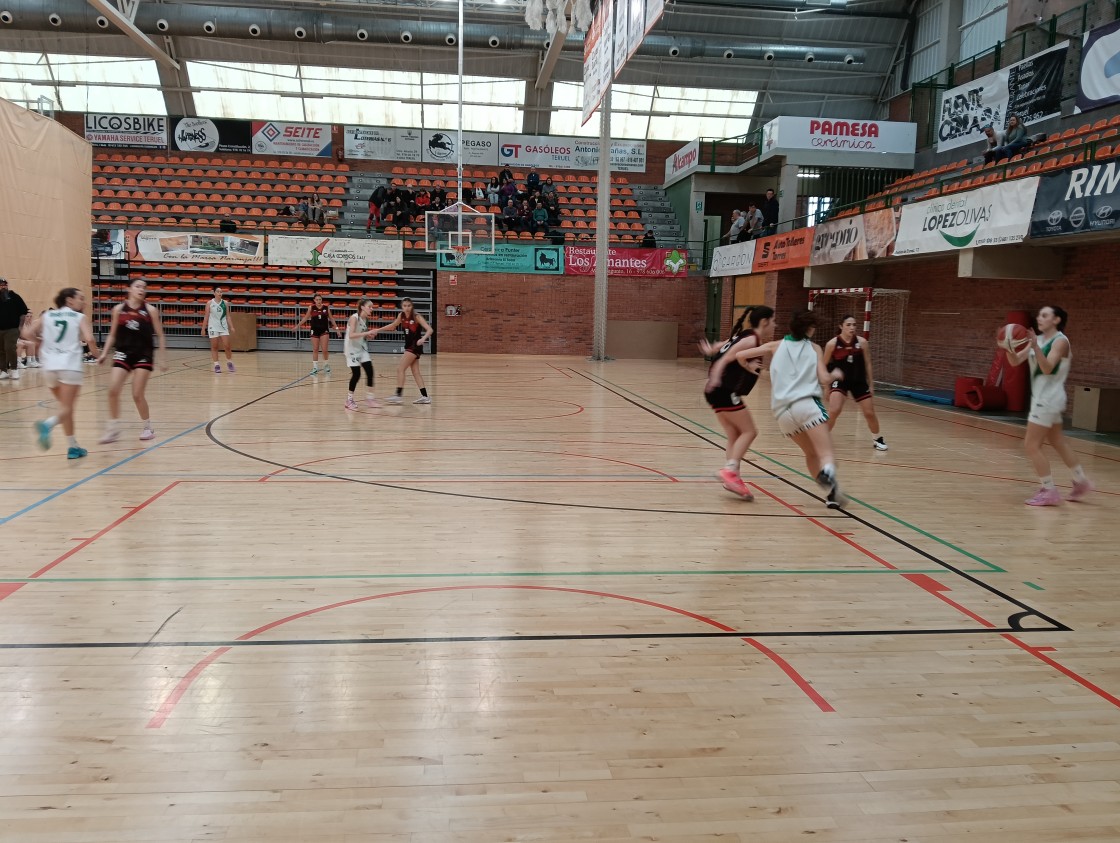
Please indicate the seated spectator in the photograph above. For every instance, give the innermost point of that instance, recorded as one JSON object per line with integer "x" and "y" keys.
{"x": 1015, "y": 140}
{"x": 540, "y": 219}
{"x": 509, "y": 216}
{"x": 992, "y": 141}
{"x": 524, "y": 216}
{"x": 303, "y": 211}
{"x": 532, "y": 181}
{"x": 423, "y": 201}
{"x": 228, "y": 225}
{"x": 505, "y": 175}
{"x": 508, "y": 190}
{"x": 315, "y": 211}
{"x": 649, "y": 241}
{"x": 439, "y": 192}
{"x": 548, "y": 187}
{"x": 493, "y": 192}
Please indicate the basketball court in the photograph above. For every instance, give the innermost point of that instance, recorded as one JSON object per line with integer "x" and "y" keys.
{"x": 528, "y": 611}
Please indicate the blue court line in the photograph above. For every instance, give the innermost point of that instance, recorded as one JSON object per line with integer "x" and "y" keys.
{"x": 96, "y": 474}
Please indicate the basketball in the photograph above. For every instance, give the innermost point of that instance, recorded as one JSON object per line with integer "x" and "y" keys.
{"x": 1013, "y": 337}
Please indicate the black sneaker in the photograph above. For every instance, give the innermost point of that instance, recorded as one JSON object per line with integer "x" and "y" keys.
{"x": 879, "y": 444}
{"x": 836, "y": 499}
{"x": 827, "y": 479}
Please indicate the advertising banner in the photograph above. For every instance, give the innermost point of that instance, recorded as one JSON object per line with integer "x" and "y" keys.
{"x": 311, "y": 140}
{"x": 685, "y": 158}
{"x": 635, "y": 263}
{"x": 192, "y": 247}
{"x": 635, "y": 27}
{"x": 783, "y": 251}
{"x": 1031, "y": 89}
{"x": 1082, "y": 200}
{"x": 598, "y": 58}
{"x": 736, "y": 259}
{"x": 129, "y": 130}
{"x": 554, "y": 152}
{"x": 438, "y": 147}
{"x": 621, "y": 18}
{"x": 381, "y": 144}
{"x": 819, "y": 133}
{"x": 335, "y": 251}
{"x": 1098, "y": 84}
{"x": 990, "y": 216}
{"x": 857, "y": 238}
{"x": 201, "y": 134}
{"x": 528, "y": 259}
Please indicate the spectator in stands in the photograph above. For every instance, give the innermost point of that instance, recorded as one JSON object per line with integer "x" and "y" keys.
{"x": 303, "y": 209}
{"x": 508, "y": 190}
{"x": 524, "y": 216}
{"x": 736, "y": 230}
{"x": 1015, "y": 140}
{"x": 374, "y": 214}
{"x": 770, "y": 213}
{"x": 439, "y": 192}
{"x": 540, "y": 218}
{"x": 992, "y": 141}
{"x": 533, "y": 180}
{"x": 754, "y": 223}
{"x": 423, "y": 201}
{"x": 315, "y": 210}
{"x": 548, "y": 188}
{"x": 494, "y": 191}
{"x": 505, "y": 175}
{"x": 649, "y": 241}
{"x": 509, "y": 216}
{"x": 228, "y": 225}
{"x": 552, "y": 205}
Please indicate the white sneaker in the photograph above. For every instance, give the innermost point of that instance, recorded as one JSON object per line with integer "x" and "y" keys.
{"x": 110, "y": 437}
{"x": 33, "y": 363}
{"x": 879, "y": 444}
{"x": 393, "y": 399}
{"x": 423, "y": 399}
{"x": 372, "y": 402}
{"x": 21, "y": 365}
{"x": 314, "y": 370}
{"x": 3, "y": 375}
{"x": 147, "y": 434}
{"x": 351, "y": 404}
{"x": 14, "y": 374}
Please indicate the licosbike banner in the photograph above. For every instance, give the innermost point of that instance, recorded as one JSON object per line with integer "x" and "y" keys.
{"x": 126, "y": 130}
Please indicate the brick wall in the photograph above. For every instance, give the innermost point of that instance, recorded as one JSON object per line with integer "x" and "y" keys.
{"x": 543, "y": 314}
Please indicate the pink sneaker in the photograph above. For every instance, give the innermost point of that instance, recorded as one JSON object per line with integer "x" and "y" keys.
{"x": 1045, "y": 497}
{"x": 109, "y": 438}
{"x": 1080, "y": 490}
{"x": 372, "y": 402}
{"x": 147, "y": 434}
{"x": 351, "y": 404}
{"x": 734, "y": 484}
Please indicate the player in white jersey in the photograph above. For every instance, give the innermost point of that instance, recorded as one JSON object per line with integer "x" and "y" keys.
{"x": 357, "y": 352}
{"x": 61, "y": 332}
{"x": 797, "y": 375}
{"x": 219, "y": 328}
{"x": 1050, "y": 356}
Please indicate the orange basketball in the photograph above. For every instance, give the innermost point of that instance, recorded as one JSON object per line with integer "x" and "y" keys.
{"x": 1013, "y": 337}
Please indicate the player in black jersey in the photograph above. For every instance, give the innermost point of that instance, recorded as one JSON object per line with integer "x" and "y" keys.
{"x": 321, "y": 323}
{"x": 416, "y": 333}
{"x": 851, "y": 354}
{"x": 729, "y": 383}
{"x": 132, "y": 343}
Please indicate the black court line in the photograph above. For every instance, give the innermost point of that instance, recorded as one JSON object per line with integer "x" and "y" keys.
{"x": 468, "y": 639}
{"x": 491, "y": 498}
{"x": 1015, "y": 620}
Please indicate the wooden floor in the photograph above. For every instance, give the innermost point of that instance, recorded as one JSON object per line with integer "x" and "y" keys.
{"x": 528, "y": 612}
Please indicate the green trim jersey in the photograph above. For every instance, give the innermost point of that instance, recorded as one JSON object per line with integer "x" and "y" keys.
{"x": 61, "y": 348}
{"x": 217, "y": 318}
{"x": 1049, "y": 390}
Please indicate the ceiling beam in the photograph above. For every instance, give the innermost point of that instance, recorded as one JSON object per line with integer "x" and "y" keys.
{"x": 125, "y": 25}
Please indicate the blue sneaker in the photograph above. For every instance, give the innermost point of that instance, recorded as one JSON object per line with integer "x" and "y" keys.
{"x": 44, "y": 432}
{"x": 76, "y": 453}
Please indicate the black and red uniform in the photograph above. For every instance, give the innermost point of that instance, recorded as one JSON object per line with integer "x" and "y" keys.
{"x": 320, "y": 321}
{"x": 412, "y": 333}
{"x": 134, "y": 347}
{"x": 733, "y": 382}
{"x": 848, "y": 358}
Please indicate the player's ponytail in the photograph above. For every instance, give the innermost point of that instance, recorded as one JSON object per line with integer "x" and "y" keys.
{"x": 757, "y": 314}
{"x": 738, "y": 326}
{"x": 67, "y": 292}
{"x": 802, "y": 322}
{"x": 1061, "y": 315}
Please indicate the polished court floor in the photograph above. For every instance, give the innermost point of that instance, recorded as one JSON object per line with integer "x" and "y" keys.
{"x": 528, "y": 612}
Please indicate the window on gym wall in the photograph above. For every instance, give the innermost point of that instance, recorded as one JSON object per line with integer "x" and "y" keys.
{"x": 83, "y": 83}
{"x": 658, "y": 112}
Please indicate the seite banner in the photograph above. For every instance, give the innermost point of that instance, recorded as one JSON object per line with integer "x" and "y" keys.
{"x": 856, "y": 238}
{"x": 633, "y": 263}
{"x": 1077, "y": 201}
{"x": 201, "y": 134}
{"x": 310, "y": 140}
{"x": 1030, "y": 89}
{"x": 990, "y": 216}
{"x": 127, "y": 130}
{"x": 346, "y": 252}
{"x": 192, "y": 247}
{"x": 527, "y": 259}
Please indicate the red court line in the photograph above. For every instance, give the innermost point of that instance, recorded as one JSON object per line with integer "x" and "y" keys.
{"x": 561, "y": 371}
{"x": 168, "y": 705}
{"x": 843, "y": 537}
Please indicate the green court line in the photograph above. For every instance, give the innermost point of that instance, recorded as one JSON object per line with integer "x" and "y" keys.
{"x": 990, "y": 566}
{"x": 1035, "y": 587}
{"x": 475, "y": 574}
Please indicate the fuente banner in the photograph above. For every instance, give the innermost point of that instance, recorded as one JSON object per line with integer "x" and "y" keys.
{"x": 989, "y": 216}
{"x": 623, "y": 262}
{"x": 335, "y": 251}
{"x": 192, "y": 247}
{"x": 1077, "y": 201}
{"x": 856, "y": 238}
{"x": 1030, "y": 89}
{"x": 736, "y": 259}
{"x": 527, "y": 259}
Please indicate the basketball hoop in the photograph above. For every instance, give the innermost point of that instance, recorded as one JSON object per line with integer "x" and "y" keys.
{"x": 459, "y": 254}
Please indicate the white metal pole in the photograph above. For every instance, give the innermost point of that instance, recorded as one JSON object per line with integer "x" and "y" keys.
{"x": 602, "y": 232}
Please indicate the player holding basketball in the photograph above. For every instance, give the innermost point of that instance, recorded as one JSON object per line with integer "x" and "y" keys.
{"x": 797, "y": 373}
{"x": 219, "y": 329}
{"x": 851, "y": 354}
{"x": 412, "y": 323}
{"x": 62, "y": 332}
{"x": 1050, "y": 357}
{"x": 322, "y": 324}
{"x": 729, "y": 382}
{"x": 357, "y": 352}
{"x": 135, "y": 327}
